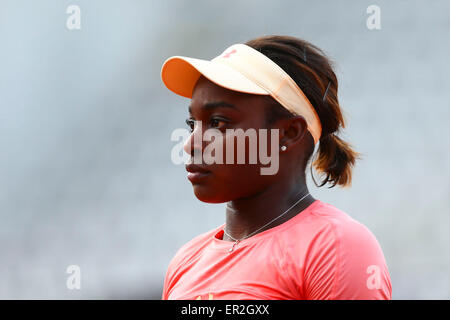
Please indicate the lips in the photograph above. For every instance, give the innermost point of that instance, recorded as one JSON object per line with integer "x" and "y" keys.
{"x": 196, "y": 173}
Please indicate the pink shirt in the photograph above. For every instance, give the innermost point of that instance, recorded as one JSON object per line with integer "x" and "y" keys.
{"x": 321, "y": 253}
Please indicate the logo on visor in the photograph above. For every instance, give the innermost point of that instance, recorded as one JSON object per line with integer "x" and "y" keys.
{"x": 228, "y": 54}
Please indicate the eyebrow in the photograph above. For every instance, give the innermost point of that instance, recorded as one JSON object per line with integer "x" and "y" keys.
{"x": 214, "y": 105}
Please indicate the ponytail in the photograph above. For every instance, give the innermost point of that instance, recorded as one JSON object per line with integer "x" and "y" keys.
{"x": 335, "y": 160}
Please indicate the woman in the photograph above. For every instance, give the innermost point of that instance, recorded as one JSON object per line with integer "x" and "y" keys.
{"x": 278, "y": 241}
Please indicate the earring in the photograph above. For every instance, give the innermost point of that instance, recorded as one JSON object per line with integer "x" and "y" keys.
{"x": 283, "y": 148}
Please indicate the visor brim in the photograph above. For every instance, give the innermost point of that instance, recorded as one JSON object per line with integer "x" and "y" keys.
{"x": 180, "y": 75}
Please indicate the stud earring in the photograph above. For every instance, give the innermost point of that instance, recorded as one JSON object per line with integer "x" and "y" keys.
{"x": 283, "y": 148}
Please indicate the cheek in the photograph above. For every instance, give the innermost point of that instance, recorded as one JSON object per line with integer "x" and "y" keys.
{"x": 232, "y": 180}
{"x": 240, "y": 146}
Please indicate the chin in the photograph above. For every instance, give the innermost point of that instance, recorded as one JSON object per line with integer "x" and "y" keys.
{"x": 208, "y": 195}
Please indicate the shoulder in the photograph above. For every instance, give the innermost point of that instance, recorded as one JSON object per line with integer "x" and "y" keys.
{"x": 325, "y": 213}
{"x": 343, "y": 230}
{"x": 323, "y": 221}
{"x": 341, "y": 255}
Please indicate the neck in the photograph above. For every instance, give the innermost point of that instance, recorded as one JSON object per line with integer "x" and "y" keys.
{"x": 246, "y": 215}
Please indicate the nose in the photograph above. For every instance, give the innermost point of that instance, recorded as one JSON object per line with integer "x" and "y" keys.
{"x": 194, "y": 144}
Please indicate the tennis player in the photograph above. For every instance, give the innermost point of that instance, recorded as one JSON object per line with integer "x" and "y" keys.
{"x": 278, "y": 241}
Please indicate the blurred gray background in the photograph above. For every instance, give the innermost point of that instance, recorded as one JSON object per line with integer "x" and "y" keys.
{"x": 85, "y": 123}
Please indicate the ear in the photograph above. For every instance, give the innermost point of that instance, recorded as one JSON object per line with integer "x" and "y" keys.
{"x": 292, "y": 131}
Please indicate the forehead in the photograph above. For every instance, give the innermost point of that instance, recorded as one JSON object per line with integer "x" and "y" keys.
{"x": 206, "y": 91}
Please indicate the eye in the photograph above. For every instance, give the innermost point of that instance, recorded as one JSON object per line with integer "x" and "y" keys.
{"x": 218, "y": 123}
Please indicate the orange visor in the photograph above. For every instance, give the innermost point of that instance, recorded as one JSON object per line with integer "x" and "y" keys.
{"x": 244, "y": 69}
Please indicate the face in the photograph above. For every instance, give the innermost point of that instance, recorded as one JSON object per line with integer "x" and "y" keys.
{"x": 215, "y": 107}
